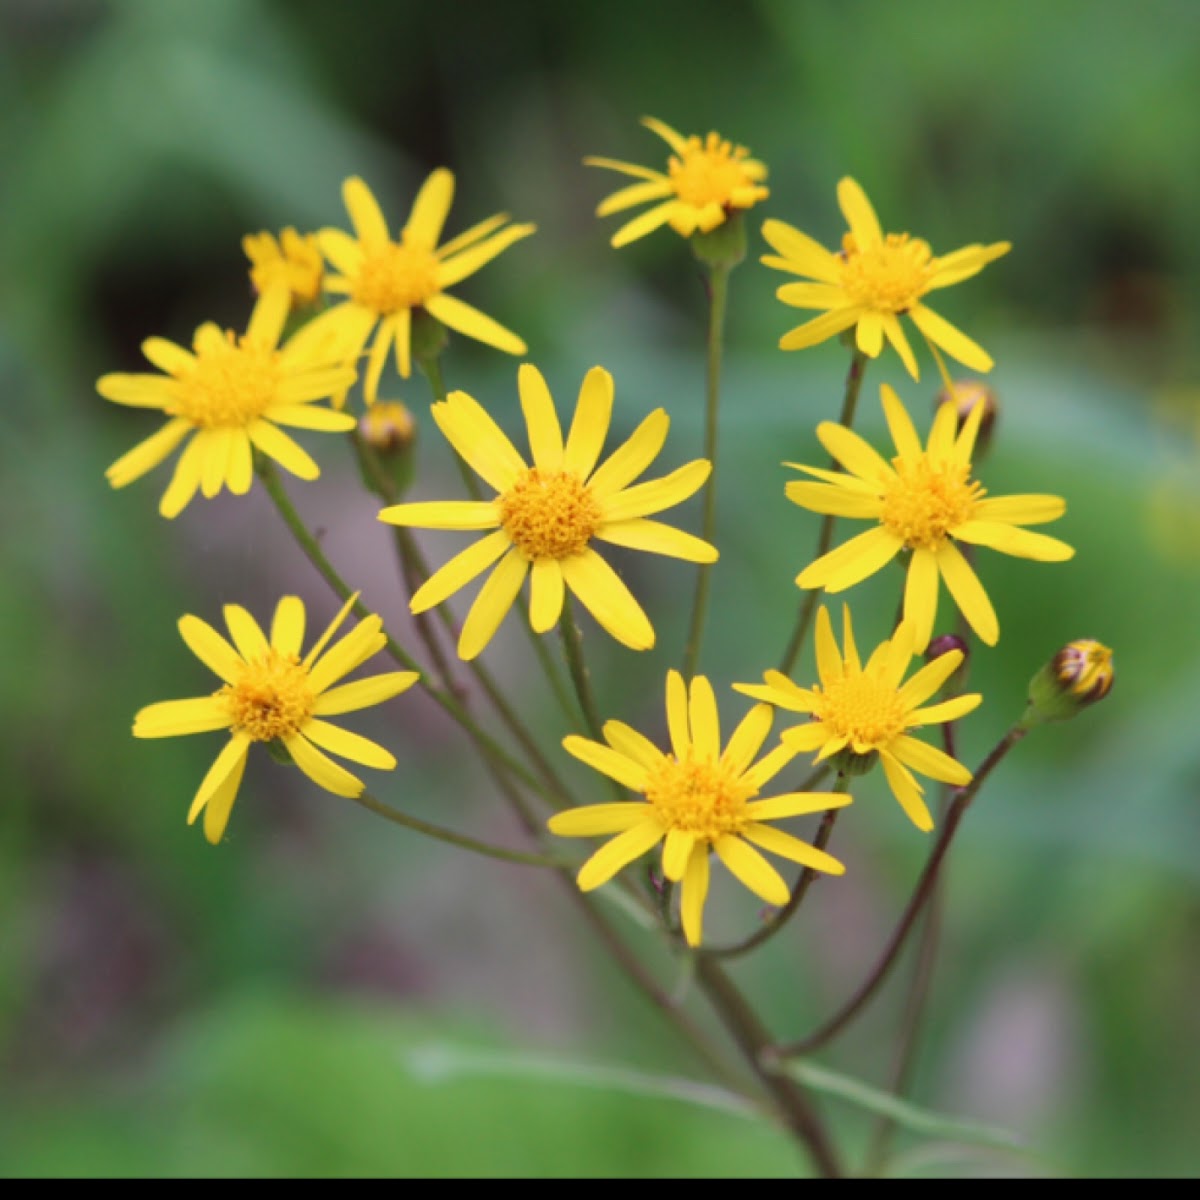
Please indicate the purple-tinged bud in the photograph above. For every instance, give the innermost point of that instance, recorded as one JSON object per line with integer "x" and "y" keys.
{"x": 1077, "y": 676}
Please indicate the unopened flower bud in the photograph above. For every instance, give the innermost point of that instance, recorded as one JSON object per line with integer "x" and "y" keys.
{"x": 388, "y": 429}
{"x": 1078, "y": 675}
{"x": 965, "y": 395}
{"x": 944, "y": 644}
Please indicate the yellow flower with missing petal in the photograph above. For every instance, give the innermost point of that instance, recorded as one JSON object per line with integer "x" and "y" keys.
{"x": 873, "y": 281}
{"x": 545, "y": 517}
{"x": 293, "y": 260}
{"x": 862, "y": 711}
{"x": 271, "y": 694}
{"x": 924, "y": 501}
{"x": 696, "y": 799}
{"x": 384, "y": 281}
{"x": 707, "y": 180}
{"x": 231, "y": 393}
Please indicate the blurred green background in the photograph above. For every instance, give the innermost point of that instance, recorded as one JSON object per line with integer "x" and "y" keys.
{"x": 265, "y": 1007}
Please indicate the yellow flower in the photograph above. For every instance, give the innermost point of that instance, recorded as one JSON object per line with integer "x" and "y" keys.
{"x": 865, "y": 710}
{"x": 924, "y": 502}
{"x": 385, "y": 280}
{"x": 696, "y": 799}
{"x": 706, "y": 180}
{"x": 232, "y": 393}
{"x": 271, "y": 694}
{"x": 545, "y": 517}
{"x": 294, "y": 261}
{"x": 872, "y": 282}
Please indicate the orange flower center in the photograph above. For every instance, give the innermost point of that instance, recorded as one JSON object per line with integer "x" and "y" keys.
{"x": 861, "y": 708}
{"x": 698, "y": 796}
{"x": 549, "y": 514}
{"x": 928, "y": 500}
{"x": 890, "y": 277}
{"x": 231, "y": 385}
{"x": 394, "y": 276}
{"x": 710, "y": 172}
{"x": 272, "y": 699}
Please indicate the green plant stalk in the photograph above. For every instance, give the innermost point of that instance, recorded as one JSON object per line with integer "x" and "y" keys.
{"x": 718, "y": 294}
{"x": 921, "y": 894}
{"x": 854, "y": 378}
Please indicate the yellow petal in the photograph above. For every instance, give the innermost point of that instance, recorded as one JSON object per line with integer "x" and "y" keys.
{"x": 546, "y": 593}
{"x": 363, "y": 693}
{"x": 287, "y": 625}
{"x": 348, "y": 745}
{"x": 276, "y": 444}
{"x": 613, "y": 763}
{"x": 185, "y": 481}
{"x": 470, "y": 236}
{"x": 635, "y": 193}
{"x": 362, "y": 642}
{"x": 857, "y": 455}
{"x": 461, "y": 317}
{"x": 948, "y": 710}
{"x": 429, "y": 210}
{"x": 895, "y": 335}
{"x": 269, "y": 316}
{"x": 693, "y": 893}
{"x": 239, "y": 473}
{"x": 403, "y": 340}
{"x": 589, "y": 428}
{"x": 851, "y": 562}
{"x": 453, "y": 270}
{"x": 899, "y": 423}
{"x": 178, "y": 718}
{"x": 1021, "y": 509}
{"x": 859, "y": 214}
{"x": 869, "y": 335}
{"x": 907, "y": 791}
{"x": 443, "y": 514}
{"x": 833, "y": 499}
{"x": 146, "y": 455}
{"x": 968, "y": 594}
{"x": 955, "y": 343}
{"x": 796, "y": 804}
{"x": 321, "y": 769}
{"x": 478, "y": 440}
{"x": 748, "y": 738}
{"x": 619, "y": 853}
{"x": 657, "y": 538}
{"x": 673, "y": 139}
{"x": 211, "y": 648}
{"x": 611, "y": 164}
{"x": 929, "y": 760}
{"x": 703, "y": 719}
{"x": 492, "y": 604}
{"x": 311, "y": 416}
{"x": 220, "y": 802}
{"x": 753, "y": 870}
{"x": 792, "y": 848}
{"x": 545, "y": 433}
{"x": 921, "y": 596}
{"x": 342, "y": 250}
{"x": 655, "y": 495}
{"x": 677, "y": 715}
{"x": 246, "y": 632}
{"x": 829, "y": 658}
{"x": 233, "y": 755}
{"x": 378, "y": 356}
{"x": 137, "y": 391}
{"x": 677, "y": 852}
{"x": 168, "y": 357}
{"x": 1010, "y": 540}
{"x": 598, "y": 820}
{"x": 825, "y": 296}
{"x": 645, "y": 223}
{"x": 929, "y": 679}
{"x": 216, "y": 444}
{"x": 820, "y": 329}
{"x": 768, "y": 767}
{"x": 626, "y": 740}
{"x": 603, "y": 593}
{"x": 962, "y": 264}
{"x": 632, "y": 457}
{"x": 365, "y": 214}
{"x": 804, "y": 256}
{"x": 459, "y": 571}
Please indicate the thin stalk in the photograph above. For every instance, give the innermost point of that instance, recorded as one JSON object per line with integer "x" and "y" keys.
{"x": 785, "y": 914}
{"x": 921, "y": 894}
{"x": 718, "y": 293}
{"x": 389, "y": 813}
{"x": 854, "y": 378}
{"x": 573, "y": 651}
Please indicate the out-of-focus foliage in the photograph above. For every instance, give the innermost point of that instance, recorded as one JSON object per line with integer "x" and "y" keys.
{"x": 168, "y": 1007}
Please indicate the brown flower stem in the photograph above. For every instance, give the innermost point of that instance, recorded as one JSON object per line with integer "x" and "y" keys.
{"x": 785, "y": 914}
{"x": 752, "y": 1038}
{"x": 854, "y": 378}
{"x": 922, "y": 893}
{"x": 325, "y": 568}
{"x": 718, "y": 293}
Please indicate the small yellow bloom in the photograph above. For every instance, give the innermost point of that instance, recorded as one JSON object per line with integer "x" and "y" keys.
{"x": 544, "y": 517}
{"x": 924, "y": 501}
{"x": 707, "y": 179}
{"x": 294, "y": 261}
{"x": 232, "y": 393}
{"x": 385, "y": 280}
{"x": 872, "y": 282}
{"x": 865, "y": 710}
{"x": 696, "y": 799}
{"x": 271, "y": 694}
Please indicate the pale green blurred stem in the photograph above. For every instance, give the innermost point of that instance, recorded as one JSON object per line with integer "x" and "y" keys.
{"x": 381, "y": 808}
{"x": 573, "y": 651}
{"x": 312, "y": 549}
{"x": 854, "y": 378}
{"x": 785, "y": 914}
{"x": 921, "y": 895}
{"x": 718, "y": 293}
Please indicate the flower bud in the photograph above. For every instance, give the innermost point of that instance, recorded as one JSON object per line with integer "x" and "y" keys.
{"x": 967, "y": 393}
{"x": 1078, "y": 675}
{"x": 388, "y": 429}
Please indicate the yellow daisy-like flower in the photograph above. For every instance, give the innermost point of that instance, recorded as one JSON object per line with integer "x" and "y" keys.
{"x": 696, "y": 799}
{"x": 232, "y": 393}
{"x": 294, "y": 260}
{"x": 271, "y": 694}
{"x": 545, "y": 517}
{"x": 872, "y": 282}
{"x": 866, "y": 710}
{"x": 385, "y": 280}
{"x": 707, "y": 179}
{"x": 924, "y": 501}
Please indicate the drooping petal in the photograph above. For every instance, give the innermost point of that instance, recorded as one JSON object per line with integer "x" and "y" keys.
{"x": 429, "y": 210}
{"x": 239, "y": 473}
{"x": 363, "y": 693}
{"x": 869, "y": 335}
{"x": 492, "y": 604}
{"x": 955, "y": 343}
{"x": 589, "y": 428}
{"x": 178, "y": 718}
{"x": 894, "y": 333}
{"x": 546, "y": 593}
{"x": 443, "y": 514}
{"x": 321, "y": 769}
{"x": 693, "y": 892}
{"x": 921, "y": 596}
{"x": 820, "y": 329}
{"x": 216, "y": 459}
{"x": 604, "y": 594}
{"x": 146, "y": 455}
{"x": 1009, "y": 539}
{"x": 753, "y": 870}
{"x": 619, "y": 853}
{"x": 793, "y": 848}
{"x": 907, "y": 791}
{"x": 184, "y": 481}
{"x": 459, "y": 571}
{"x": 220, "y": 802}
{"x": 287, "y": 625}
{"x": 607, "y": 761}
{"x": 467, "y": 320}
{"x": 851, "y": 562}
{"x": 658, "y": 538}
{"x": 403, "y": 340}
{"x": 276, "y": 444}
{"x": 803, "y": 255}
{"x": 378, "y": 357}
{"x": 632, "y": 457}
{"x": 349, "y": 745}
{"x": 545, "y": 433}
{"x": 677, "y": 853}
{"x": 597, "y": 820}
{"x": 859, "y": 214}
{"x": 968, "y": 593}
{"x": 655, "y": 495}
{"x": 233, "y": 754}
